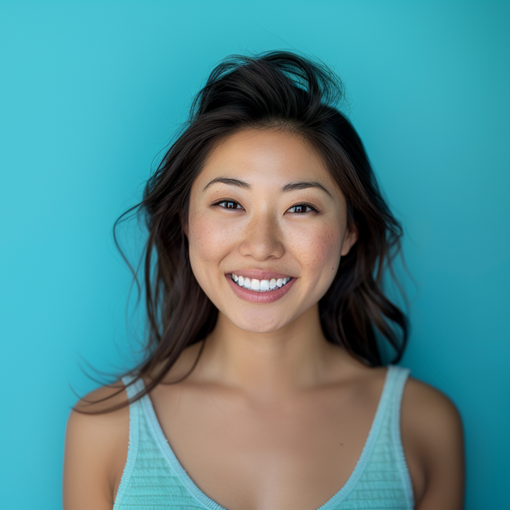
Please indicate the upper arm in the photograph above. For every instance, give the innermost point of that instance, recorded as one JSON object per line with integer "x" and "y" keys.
{"x": 90, "y": 445}
{"x": 437, "y": 431}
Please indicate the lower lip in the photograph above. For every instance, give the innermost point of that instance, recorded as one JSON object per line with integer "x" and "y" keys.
{"x": 260, "y": 297}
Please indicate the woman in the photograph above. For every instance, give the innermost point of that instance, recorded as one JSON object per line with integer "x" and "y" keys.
{"x": 264, "y": 384}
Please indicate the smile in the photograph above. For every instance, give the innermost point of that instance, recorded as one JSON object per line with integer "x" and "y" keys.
{"x": 260, "y": 285}
{"x": 277, "y": 288}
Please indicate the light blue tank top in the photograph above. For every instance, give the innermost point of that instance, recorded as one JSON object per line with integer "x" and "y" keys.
{"x": 153, "y": 478}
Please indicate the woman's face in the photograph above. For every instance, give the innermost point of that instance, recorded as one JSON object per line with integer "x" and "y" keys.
{"x": 258, "y": 226}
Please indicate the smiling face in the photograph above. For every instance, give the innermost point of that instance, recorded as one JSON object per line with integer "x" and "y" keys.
{"x": 254, "y": 225}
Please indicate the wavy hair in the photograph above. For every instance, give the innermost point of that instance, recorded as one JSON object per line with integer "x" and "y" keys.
{"x": 276, "y": 89}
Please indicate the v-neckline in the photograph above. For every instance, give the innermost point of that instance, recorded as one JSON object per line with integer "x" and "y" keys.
{"x": 330, "y": 504}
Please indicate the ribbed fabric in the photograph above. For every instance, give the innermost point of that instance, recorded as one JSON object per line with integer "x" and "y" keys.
{"x": 153, "y": 478}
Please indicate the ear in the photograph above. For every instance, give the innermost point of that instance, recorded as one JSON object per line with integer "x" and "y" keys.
{"x": 350, "y": 237}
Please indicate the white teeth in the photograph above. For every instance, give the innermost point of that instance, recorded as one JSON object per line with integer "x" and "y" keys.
{"x": 259, "y": 285}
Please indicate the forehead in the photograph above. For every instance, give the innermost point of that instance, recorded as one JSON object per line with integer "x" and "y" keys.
{"x": 265, "y": 156}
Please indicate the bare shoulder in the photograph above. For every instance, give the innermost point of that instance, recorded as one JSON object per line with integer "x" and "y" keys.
{"x": 432, "y": 430}
{"x": 94, "y": 448}
{"x": 430, "y": 404}
{"x": 430, "y": 412}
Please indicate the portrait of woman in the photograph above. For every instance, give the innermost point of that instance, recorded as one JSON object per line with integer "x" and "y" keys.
{"x": 266, "y": 387}
{"x": 254, "y": 255}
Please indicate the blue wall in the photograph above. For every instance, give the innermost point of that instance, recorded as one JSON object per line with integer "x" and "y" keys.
{"x": 92, "y": 91}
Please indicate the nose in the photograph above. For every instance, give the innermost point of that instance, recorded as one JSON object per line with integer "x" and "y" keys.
{"x": 262, "y": 237}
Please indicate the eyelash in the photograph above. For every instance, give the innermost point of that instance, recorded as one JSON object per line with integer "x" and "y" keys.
{"x": 314, "y": 209}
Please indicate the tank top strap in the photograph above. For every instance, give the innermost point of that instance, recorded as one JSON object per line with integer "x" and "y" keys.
{"x": 135, "y": 408}
{"x": 134, "y": 388}
{"x": 135, "y": 412}
{"x": 400, "y": 376}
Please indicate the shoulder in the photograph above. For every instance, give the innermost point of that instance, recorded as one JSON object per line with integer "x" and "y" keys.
{"x": 94, "y": 409}
{"x": 431, "y": 427}
{"x": 430, "y": 411}
{"x": 103, "y": 398}
{"x": 94, "y": 443}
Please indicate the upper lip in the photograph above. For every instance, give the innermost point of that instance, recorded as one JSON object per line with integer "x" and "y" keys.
{"x": 259, "y": 274}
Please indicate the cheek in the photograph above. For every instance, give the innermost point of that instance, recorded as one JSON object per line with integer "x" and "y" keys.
{"x": 208, "y": 242}
{"x": 319, "y": 251}
{"x": 203, "y": 238}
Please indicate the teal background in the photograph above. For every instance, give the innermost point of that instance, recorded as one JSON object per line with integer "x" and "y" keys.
{"x": 91, "y": 93}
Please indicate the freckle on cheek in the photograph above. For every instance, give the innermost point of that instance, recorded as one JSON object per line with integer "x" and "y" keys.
{"x": 330, "y": 248}
{"x": 208, "y": 241}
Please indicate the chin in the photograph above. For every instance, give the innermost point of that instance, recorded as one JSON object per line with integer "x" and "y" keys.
{"x": 254, "y": 322}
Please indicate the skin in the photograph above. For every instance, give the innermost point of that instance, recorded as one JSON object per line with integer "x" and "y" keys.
{"x": 269, "y": 389}
{"x": 268, "y": 350}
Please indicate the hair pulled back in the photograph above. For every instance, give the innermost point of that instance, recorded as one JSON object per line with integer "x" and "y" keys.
{"x": 277, "y": 89}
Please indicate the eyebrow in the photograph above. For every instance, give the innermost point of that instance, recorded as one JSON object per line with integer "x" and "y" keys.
{"x": 291, "y": 186}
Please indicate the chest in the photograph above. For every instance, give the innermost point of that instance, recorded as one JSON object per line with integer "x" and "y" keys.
{"x": 246, "y": 456}
{"x": 255, "y": 465}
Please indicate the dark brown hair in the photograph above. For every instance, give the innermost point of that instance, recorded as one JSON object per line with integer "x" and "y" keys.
{"x": 277, "y": 89}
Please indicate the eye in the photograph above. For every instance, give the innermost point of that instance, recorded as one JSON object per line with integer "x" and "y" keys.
{"x": 231, "y": 204}
{"x": 304, "y": 205}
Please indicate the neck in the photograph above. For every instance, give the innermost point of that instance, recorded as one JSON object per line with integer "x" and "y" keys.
{"x": 269, "y": 366}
